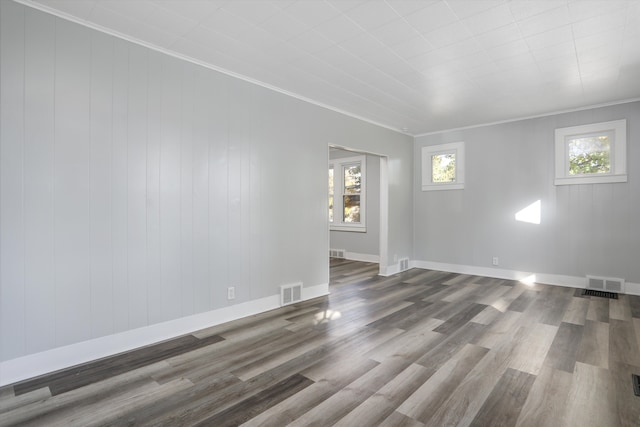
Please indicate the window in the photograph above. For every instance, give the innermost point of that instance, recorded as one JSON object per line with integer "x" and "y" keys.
{"x": 443, "y": 167}
{"x": 347, "y": 194}
{"x": 592, "y": 154}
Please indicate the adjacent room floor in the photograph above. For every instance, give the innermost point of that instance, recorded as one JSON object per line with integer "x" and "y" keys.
{"x": 417, "y": 348}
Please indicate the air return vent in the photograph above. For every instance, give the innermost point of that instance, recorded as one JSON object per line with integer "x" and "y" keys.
{"x": 290, "y": 293}
{"x": 336, "y": 253}
{"x": 601, "y": 294}
{"x": 403, "y": 264}
{"x": 609, "y": 284}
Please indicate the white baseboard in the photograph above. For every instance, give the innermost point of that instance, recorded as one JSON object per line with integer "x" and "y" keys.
{"x": 389, "y": 270}
{"x": 543, "y": 278}
{"x": 36, "y": 364}
{"x": 355, "y": 256}
{"x": 632, "y": 288}
{"x": 315, "y": 291}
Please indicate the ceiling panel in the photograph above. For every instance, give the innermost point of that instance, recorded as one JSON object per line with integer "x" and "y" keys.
{"x": 226, "y": 23}
{"x": 312, "y": 13}
{"x": 466, "y": 8}
{"x": 421, "y": 65}
{"x": 254, "y": 11}
{"x": 192, "y": 9}
{"x": 284, "y": 26}
{"x": 432, "y": 17}
{"x": 490, "y": 19}
{"x": 394, "y": 32}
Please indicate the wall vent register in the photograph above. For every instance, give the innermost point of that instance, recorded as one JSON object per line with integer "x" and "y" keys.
{"x": 336, "y": 253}
{"x": 291, "y": 293}
{"x": 608, "y": 284}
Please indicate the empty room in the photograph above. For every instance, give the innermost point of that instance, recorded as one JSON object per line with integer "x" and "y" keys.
{"x": 320, "y": 212}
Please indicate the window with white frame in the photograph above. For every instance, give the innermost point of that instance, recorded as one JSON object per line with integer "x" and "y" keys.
{"x": 443, "y": 167}
{"x": 591, "y": 154}
{"x": 347, "y": 204}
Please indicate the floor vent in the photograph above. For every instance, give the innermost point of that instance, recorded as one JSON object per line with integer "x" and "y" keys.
{"x": 290, "y": 294}
{"x": 403, "y": 264}
{"x": 603, "y": 294}
{"x": 610, "y": 284}
{"x": 636, "y": 384}
{"x": 336, "y": 253}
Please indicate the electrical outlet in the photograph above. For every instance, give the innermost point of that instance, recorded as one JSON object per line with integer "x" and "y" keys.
{"x": 231, "y": 292}
{"x": 495, "y": 261}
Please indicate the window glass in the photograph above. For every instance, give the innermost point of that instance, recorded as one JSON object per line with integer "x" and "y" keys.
{"x": 331, "y": 194}
{"x": 347, "y": 194}
{"x": 589, "y": 155}
{"x": 352, "y": 177}
{"x": 443, "y": 167}
{"x": 351, "y": 205}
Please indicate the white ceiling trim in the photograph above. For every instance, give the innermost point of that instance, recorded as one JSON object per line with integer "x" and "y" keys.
{"x": 518, "y": 119}
{"x": 119, "y": 35}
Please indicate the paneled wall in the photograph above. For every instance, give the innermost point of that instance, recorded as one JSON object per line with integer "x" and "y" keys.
{"x": 585, "y": 229}
{"x": 136, "y": 187}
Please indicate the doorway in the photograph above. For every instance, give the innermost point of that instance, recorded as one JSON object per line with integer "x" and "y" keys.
{"x": 358, "y": 227}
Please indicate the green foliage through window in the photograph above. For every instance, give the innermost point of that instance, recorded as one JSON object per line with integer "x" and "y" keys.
{"x": 590, "y": 155}
{"x": 351, "y": 202}
{"x": 331, "y": 194}
{"x": 443, "y": 167}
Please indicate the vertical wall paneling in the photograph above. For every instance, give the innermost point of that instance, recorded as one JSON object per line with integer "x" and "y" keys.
{"x": 119, "y": 197}
{"x": 254, "y": 226}
{"x": 239, "y": 124}
{"x": 200, "y": 256}
{"x": 187, "y": 172}
{"x": 100, "y": 167}
{"x": 269, "y": 245}
{"x": 71, "y": 192}
{"x": 582, "y": 223}
{"x": 154, "y": 118}
{"x": 603, "y": 207}
{"x": 137, "y": 126}
{"x": 170, "y": 243}
{"x": 12, "y": 245}
{"x": 561, "y": 220}
{"x": 627, "y": 232}
{"x": 246, "y": 201}
{"x": 38, "y": 180}
{"x": 218, "y": 94}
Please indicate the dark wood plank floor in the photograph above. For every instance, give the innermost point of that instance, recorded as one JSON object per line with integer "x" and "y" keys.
{"x": 420, "y": 348}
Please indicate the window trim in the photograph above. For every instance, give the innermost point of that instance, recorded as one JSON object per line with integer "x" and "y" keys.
{"x": 618, "y": 170}
{"x": 338, "y": 184}
{"x": 427, "y": 166}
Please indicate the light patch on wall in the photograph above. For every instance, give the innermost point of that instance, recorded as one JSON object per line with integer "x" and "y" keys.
{"x": 531, "y": 213}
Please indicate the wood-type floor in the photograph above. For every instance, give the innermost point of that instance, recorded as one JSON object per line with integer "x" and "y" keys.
{"x": 420, "y": 348}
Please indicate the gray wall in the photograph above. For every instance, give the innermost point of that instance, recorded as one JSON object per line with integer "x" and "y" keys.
{"x": 135, "y": 187}
{"x": 585, "y": 229}
{"x": 363, "y": 243}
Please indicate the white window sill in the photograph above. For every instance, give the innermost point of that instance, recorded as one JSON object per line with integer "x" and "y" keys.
{"x": 352, "y": 228}
{"x": 602, "y": 179}
{"x": 438, "y": 187}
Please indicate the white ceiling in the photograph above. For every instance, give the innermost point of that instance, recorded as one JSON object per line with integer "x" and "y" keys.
{"x": 414, "y": 65}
